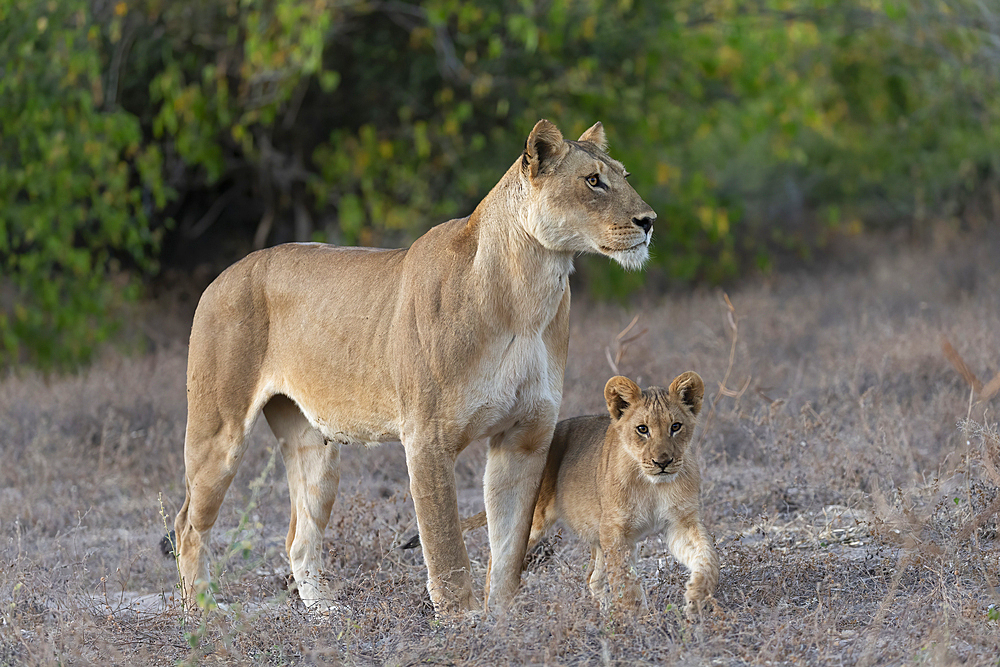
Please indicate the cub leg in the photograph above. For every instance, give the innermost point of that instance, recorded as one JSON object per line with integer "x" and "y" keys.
{"x": 514, "y": 465}
{"x": 313, "y": 470}
{"x": 691, "y": 544}
{"x": 431, "y": 467}
{"x": 213, "y": 450}
{"x": 598, "y": 579}
{"x": 623, "y": 577}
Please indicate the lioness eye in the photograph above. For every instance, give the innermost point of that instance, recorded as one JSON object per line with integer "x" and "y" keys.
{"x": 593, "y": 180}
{"x": 676, "y": 426}
{"x": 642, "y": 429}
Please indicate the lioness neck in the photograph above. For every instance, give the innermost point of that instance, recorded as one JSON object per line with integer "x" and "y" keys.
{"x": 516, "y": 273}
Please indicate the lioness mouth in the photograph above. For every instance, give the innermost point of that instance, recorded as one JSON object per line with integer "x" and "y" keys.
{"x": 608, "y": 250}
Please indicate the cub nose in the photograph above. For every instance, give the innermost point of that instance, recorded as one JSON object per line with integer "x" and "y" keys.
{"x": 664, "y": 463}
{"x": 645, "y": 223}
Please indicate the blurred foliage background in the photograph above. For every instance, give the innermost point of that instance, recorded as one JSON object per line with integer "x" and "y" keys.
{"x": 138, "y": 134}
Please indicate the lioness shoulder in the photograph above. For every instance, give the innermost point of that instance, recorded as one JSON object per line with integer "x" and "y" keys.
{"x": 616, "y": 478}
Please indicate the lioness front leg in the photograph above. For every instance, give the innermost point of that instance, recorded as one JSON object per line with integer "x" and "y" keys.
{"x": 435, "y": 499}
{"x": 514, "y": 465}
{"x": 691, "y": 544}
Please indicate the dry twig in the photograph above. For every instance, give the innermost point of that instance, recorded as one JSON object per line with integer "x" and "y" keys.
{"x": 984, "y": 393}
{"x": 733, "y": 319}
{"x": 621, "y": 343}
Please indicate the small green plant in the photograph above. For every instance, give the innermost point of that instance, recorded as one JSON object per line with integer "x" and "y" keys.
{"x": 171, "y": 538}
{"x": 238, "y": 538}
{"x": 197, "y": 623}
{"x": 207, "y": 595}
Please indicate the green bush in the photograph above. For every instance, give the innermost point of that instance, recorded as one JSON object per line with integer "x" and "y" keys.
{"x": 77, "y": 184}
{"x": 752, "y": 127}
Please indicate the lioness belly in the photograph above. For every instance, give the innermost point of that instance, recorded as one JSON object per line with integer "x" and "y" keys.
{"x": 343, "y": 422}
{"x": 347, "y": 433}
{"x": 327, "y": 338}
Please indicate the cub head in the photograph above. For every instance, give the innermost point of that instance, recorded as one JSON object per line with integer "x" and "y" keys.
{"x": 580, "y": 198}
{"x": 654, "y": 427}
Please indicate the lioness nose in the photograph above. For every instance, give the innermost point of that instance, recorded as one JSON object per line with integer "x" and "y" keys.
{"x": 645, "y": 222}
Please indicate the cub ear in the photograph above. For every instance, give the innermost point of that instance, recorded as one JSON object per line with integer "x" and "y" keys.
{"x": 545, "y": 146}
{"x": 620, "y": 392}
{"x": 688, "y": 388}
{"x": 595, "y": 135}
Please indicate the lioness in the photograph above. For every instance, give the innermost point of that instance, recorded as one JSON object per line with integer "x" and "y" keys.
{"x": 614, "y": 479}
{"x": 462, "y": 336}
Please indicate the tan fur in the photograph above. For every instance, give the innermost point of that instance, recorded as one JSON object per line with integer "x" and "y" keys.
{"x": 614, "y": 486}
{"x": 462, "y": 336}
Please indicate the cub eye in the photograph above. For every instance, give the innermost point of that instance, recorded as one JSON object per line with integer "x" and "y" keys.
{"x": 642, "y": 429}
{"x": 676, "y": 426}
{"x": 593, "y": 180}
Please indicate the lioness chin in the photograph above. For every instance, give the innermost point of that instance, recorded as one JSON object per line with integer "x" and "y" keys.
{"x": 617, "y": 478}
{"x": 461, "y": 336}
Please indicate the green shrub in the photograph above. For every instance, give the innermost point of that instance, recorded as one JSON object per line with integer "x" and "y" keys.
{"x": 753, "y": 128}
{"x": 750, "y": 127}
{"x": 77, "y": 183}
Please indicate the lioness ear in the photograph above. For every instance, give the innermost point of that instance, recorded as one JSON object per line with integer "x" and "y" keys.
{"x": 689, "y": 389}
{"x": 620, "y": 392}
{"x": 595, "y": 135}
{"x": 544, "y": 147}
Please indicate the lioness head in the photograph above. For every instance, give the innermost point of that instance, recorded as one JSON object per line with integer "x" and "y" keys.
{"x": 655, "y": 426}
{"x": 582, "y": 201}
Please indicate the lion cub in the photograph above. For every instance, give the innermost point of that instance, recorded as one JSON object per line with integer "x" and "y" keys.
{"x": 617, "y": 478}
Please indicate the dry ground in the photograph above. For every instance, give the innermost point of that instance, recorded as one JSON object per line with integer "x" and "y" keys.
{"x": 851, "y": 478}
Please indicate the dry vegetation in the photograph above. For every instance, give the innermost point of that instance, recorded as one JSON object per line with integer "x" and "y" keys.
{"x": 851, "y": 465}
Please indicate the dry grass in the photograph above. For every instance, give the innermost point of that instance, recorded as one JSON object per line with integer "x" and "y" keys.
{"x": 851, "y": 480}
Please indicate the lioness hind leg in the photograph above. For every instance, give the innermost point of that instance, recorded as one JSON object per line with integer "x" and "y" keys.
{"x": 313, "y": 470}
{"x": 210, "y": 463}
{"x": 598, "y": 579}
